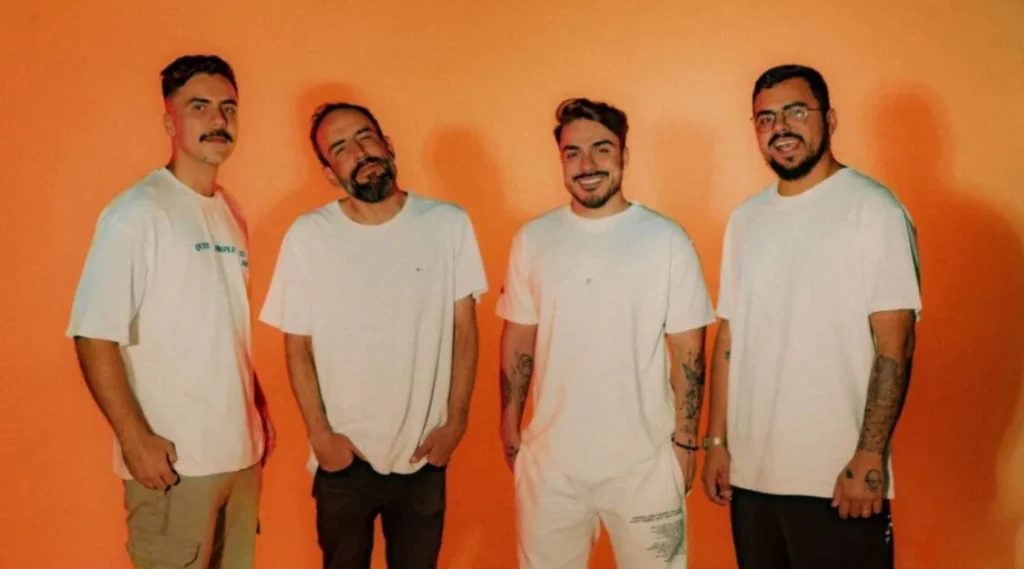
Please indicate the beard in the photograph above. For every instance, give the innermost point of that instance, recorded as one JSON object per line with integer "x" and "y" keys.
{"x": 804, "y": 167}
{"x": 596, "y": 200}
{"x": 377, "y": 186}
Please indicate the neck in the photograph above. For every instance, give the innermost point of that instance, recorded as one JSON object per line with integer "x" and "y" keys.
{"x": 825, "y": 167}
{"x": 374, "y": 213}
{"x": 616, "y": 204}
{"x": 201, "y": 178}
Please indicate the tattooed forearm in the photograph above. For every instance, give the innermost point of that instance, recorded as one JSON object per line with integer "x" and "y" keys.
{"x": 690, "y": 400}
{"x": 515, "y": 386}
{"x": 887, "y": 390}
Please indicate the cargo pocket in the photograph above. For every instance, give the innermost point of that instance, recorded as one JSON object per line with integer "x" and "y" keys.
{"x": 149, "y": 549}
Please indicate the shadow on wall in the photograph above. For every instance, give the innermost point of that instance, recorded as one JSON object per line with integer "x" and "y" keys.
{"x": 967, "y": 376}
{"x": 480, "y": 528}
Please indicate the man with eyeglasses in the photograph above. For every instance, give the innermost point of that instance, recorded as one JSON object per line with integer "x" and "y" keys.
{"x": 818, "y": 303}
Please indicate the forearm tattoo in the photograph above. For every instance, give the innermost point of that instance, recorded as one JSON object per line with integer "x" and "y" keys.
{"x": 693, "y": 390}
{"x": 516, "y": 386}
{"x": 887, "y": 390}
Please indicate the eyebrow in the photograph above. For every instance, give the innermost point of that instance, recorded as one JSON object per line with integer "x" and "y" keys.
{"x": 339, "y": 143}
{"x": 207, "y": 101}
{"x": 602, "y": 142}
{"x": 784, "y": 108}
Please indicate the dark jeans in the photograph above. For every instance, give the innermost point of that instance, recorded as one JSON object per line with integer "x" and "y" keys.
{"x": 801, "y": 532}
{"x": 411, "y": 507}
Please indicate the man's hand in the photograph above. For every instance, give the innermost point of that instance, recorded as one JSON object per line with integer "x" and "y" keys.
{"x": 687, "y": 463}
{"x": 716, "y": 475}
{"x": 149, "y": 458}
{"x": 440, "y": 443}
{"x": 861, "y": 486}
{"x": 510, "y": 443}
{"x": 334, "y": 452}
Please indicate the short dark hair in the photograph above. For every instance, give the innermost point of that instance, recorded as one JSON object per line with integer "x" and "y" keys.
{"x": 328, "y": 108}
{"x": 179, "y": 71}
{"x": 781, "y": 73}
{"x": 580, "y": 108}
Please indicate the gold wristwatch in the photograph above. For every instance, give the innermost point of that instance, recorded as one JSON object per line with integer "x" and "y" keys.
{"x": 713, "y": 441}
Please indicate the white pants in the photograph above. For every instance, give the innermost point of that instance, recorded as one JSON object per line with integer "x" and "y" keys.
{"x": 644, "y": 511}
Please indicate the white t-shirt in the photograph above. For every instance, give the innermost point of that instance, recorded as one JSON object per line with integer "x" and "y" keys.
{"x": 603, "y": 294}
{"x": 167, "y": 278}
{"x": 800, "y": 277}
{"x": 379, "y": 304}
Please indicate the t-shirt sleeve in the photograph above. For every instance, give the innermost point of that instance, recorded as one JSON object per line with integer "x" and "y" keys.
{"x": 891, "y": 262}
{"x": 689, "y": 306}
{"x": 727, "y": 275}
{"x": 288, "y": 306}
{"x": 112, "y": 283}
{"x": 470, "y": 277}
{"x": 515, "y": 303}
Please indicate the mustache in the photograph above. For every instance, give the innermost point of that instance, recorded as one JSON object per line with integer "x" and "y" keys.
{"x": 579, "y": 177}
{"x": 221, "y": 133}
{"x": 781, "y": 135}
{"x": 368, "y": 161}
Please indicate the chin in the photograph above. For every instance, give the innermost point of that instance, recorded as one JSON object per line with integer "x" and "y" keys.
{"x": 215, "y": 159}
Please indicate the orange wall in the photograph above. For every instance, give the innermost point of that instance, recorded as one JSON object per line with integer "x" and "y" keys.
{"x": 928, "y": 97}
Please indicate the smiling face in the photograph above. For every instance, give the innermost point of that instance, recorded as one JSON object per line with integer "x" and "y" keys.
{"x": 202, "y": 119}
{"x": 592, "y": 162}
{"x": 793, "y": 131}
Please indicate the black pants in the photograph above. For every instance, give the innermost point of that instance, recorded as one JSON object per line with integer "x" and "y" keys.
{"x": 801, "y": 532}
{"x": 411, "y": 507}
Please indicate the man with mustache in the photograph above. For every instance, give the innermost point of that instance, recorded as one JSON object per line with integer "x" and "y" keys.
{"x": 818, "y": 303}
{"x": 161, "y": 328}
{"x": 592, "y": 291}
{"x": 376, "y": 295}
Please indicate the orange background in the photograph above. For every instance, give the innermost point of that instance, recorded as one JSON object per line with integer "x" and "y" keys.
{"x": 928, "y": 96}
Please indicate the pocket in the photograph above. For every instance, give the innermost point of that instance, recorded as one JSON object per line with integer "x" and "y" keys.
{"x": 147, "y": 547}
{"x": 429, "y": 489}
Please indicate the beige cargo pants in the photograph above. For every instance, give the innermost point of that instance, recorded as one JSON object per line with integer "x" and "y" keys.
{"x": 205, "y": 522}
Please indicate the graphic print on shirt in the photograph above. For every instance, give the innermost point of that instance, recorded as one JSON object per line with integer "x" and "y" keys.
{"x": 228, "y": 249}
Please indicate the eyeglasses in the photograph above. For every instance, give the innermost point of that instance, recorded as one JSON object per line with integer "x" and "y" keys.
{"x": 765, "y": 120}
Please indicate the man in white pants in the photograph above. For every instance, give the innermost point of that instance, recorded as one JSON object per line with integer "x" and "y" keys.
{"x": 592, "y": 290}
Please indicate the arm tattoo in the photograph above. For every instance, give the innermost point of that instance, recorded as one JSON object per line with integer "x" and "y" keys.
{"x": 887, "y": 389}
{"x": 728, "y": 354}
{"x": 690, "y": 402}
{"x": 515, "y": 388}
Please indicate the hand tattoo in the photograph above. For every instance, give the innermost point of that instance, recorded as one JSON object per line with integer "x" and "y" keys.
{"x": 728, "y": 354}
{"x": 511, "y": 451}
{"x": 873, "y": 480}
{"x": 849, "y": 473}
